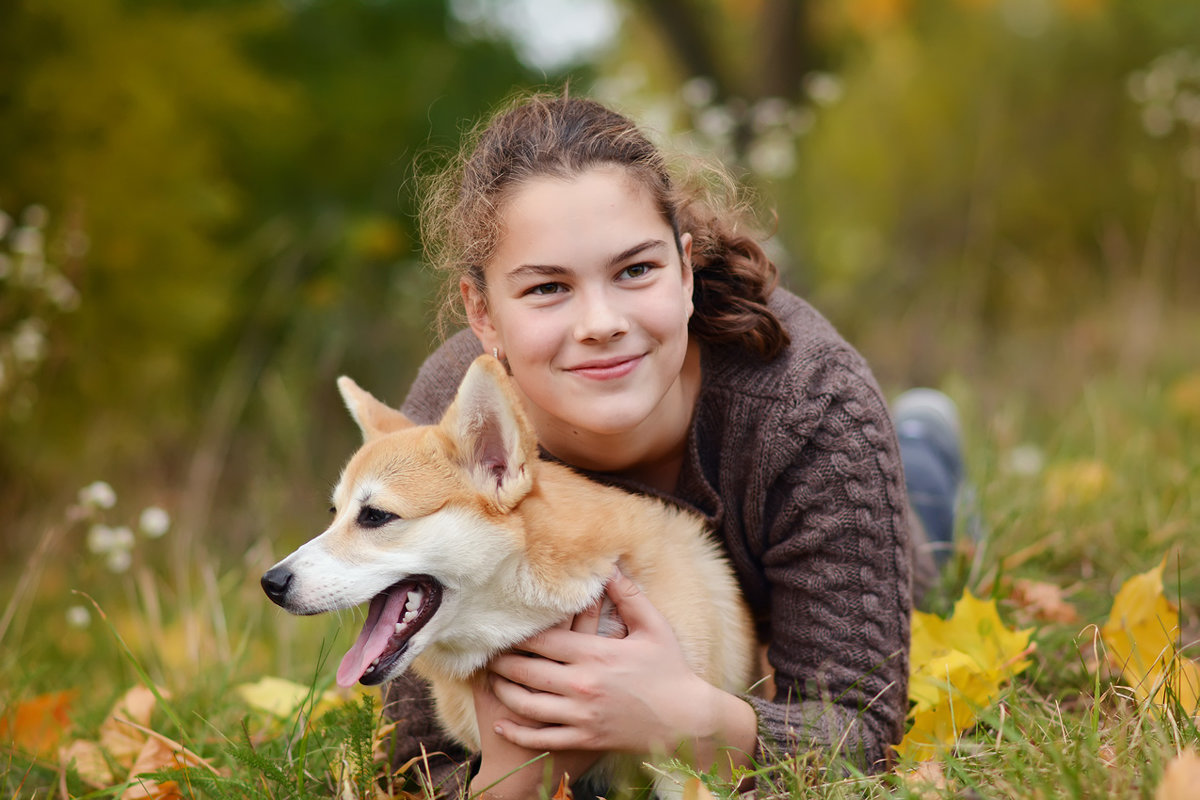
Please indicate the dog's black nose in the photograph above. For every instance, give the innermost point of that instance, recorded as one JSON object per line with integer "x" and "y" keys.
{"x": 275, "y": 582}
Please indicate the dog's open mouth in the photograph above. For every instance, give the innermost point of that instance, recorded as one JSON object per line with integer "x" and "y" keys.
{"x": 396, "y": 614}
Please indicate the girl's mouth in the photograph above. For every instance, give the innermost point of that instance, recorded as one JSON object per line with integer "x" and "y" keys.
{"x": 607, "y": 369}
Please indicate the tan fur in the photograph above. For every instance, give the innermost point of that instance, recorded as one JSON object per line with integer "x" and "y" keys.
{"x": 518, "y": 544}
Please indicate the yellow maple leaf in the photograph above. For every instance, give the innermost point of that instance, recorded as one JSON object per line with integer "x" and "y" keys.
{"x": 282, "y": 698}
{"x": 1140, "y": 641}
{"x": 958, "y": 666}
{"x": 1076, "y": 484}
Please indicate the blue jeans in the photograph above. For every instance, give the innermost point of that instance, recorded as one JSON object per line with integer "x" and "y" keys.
{"x": 927, "y": 430}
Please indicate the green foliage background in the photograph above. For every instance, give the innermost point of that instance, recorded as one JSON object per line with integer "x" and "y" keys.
{"x": 980, "y": 192}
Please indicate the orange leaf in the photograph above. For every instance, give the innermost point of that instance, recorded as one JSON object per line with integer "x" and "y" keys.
{"x": 37, "y": 725}
{"x": 159, "y": 752}
{"x": 1043, "y": 602}
{"x": 564, "y": 790}
{"x": 695, "y": 789}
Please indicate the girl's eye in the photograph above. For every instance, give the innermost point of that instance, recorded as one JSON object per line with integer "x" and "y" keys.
{"x": 545, "y": 289}
{"x": 635, "y": 271}
{"x": 371, "y": 517}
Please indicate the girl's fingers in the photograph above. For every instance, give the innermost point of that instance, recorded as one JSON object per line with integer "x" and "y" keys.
{"x": 530, "y": 708}
{"x": 634, "y": 608}
{"x": 588, "y": 620}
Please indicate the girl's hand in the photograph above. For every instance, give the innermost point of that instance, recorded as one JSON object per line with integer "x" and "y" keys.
{"x": 635, "y": 694}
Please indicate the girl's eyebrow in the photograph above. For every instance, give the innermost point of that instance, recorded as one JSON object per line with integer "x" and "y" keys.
{"x": 525, "y": 271}
{"x": 637, "y": 249}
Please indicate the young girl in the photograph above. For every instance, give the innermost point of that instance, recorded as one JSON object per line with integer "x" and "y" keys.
{"x": 640, "y": 323}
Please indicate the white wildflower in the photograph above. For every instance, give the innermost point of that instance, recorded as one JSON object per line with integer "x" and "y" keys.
{"x": 28, "y": 241}
{"x": 154, "y": 522}
{"x": 119, "y": 560}
{"x": 122, "y": 538}
{"x": 29, "y": 342}
{"x": 98, "y": 495}
{"x": 100, "y": 539}
{"x": 715, "y": 122}
{"x": 79, "y": 617}
{"x": 1026, "y": 460}
{"x": 698, "y": 92}
{"x": 61, "y": 292}
{"x": 824, "y": 88}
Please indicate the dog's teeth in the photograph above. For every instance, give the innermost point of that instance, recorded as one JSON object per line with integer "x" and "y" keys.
{"x": 408, "y": 617}
{"x": 414, "y": 600}
{"x": 399, "y": 627}
{"x": 370, "y": 669}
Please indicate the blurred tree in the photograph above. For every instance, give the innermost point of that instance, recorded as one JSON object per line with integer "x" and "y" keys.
{"x": 241, "y": 173}
{"x": 968, "y": 169}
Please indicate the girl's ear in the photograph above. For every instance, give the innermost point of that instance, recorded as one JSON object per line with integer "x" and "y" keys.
{"x": 689, "y": 283}
{"x": 477, "y": 314}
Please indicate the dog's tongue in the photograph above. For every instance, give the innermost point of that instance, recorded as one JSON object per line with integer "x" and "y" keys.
{"x": 385, "y": 611}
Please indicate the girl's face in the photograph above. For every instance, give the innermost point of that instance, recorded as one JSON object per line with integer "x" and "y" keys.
{"x": 588, "y": 299}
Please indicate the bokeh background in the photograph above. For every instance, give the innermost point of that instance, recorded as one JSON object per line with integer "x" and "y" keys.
{"x": 209, "y": 214}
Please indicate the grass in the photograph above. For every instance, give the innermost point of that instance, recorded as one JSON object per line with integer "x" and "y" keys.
{"x": 1117, "y": 489}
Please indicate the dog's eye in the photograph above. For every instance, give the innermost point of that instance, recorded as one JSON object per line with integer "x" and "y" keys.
{"x": 371, "y": 517}
{"x": 333, "y": 510}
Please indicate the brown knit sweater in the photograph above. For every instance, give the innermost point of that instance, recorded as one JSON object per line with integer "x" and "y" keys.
{"x": 795, "y": 465}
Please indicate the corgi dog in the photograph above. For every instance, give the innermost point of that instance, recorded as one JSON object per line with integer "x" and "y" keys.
{"x": 465, "y": 543}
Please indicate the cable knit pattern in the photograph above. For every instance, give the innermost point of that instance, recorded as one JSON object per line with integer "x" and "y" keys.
{"x": 795, "y": 465}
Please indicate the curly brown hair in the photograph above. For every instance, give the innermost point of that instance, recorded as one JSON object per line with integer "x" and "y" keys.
{"x": 557, "y": 135}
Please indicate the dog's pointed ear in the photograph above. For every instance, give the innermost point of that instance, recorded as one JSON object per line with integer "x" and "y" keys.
{"x": 497, "y": 443}
{"x": 374, "y": 418}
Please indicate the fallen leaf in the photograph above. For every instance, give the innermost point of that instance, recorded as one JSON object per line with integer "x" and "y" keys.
{"x": 1076, "y": 483}
{"x": 89, "y": 763}
{"x": 1183, "y": 397}
{"x": 281, "y": 697}
{"x": 38, "y": 725}
{"x": 1181, "y": 778}
{"x": 1044, "y": 602}
{"x": 123, "y": 742}
{"x": 927, "y": 781}
{"x": 159, "y": 752}
{"x": 958, "y": 666}
{"x": 1140, "y": 639}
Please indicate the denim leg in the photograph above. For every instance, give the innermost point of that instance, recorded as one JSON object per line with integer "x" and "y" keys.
{"x": 930, "y": 449}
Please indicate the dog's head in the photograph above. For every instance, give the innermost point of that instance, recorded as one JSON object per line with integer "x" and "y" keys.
{"x": 421, "y": 524}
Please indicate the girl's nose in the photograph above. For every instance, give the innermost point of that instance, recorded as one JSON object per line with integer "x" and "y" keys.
{"x": 600, "y": 320}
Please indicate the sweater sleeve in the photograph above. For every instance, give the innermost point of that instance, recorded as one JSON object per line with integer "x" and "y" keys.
{"x": 836, "y": 559}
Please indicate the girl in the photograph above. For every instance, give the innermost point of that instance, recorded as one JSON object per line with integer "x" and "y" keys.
{"x": 640, "y": 323}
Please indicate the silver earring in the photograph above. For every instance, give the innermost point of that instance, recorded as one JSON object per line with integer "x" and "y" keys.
{"x": 496, "y": 353}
